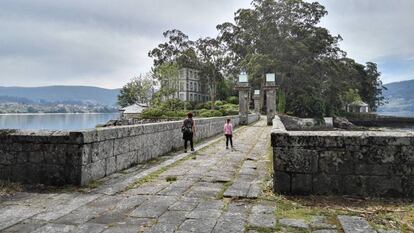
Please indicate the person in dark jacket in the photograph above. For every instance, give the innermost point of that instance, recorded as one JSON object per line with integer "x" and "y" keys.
{"x": 188, "y": 130}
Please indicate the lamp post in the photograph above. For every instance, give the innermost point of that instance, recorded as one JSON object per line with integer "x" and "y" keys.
{"x": 270, "y": 89}
{"x": 244, "y": 92}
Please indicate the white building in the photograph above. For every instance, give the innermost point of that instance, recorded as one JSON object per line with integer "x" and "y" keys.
{"x": 358, "y": 107}
{"x": 132, "y": 111}
{"x": 189, "y": 86}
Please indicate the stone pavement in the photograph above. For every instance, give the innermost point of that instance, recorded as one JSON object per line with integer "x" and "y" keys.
{"x": 212, "y": 190}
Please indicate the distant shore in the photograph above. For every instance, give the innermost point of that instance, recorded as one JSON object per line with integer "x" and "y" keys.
{"x": 66, "y": 113}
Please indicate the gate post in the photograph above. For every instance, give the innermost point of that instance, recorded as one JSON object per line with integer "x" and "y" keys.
{"x": 244, "y": 98}
{"x": 256, "y": 98}
{"x": 270, "y": 89}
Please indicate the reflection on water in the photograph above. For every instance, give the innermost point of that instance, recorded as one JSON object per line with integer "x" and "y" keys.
{"x": 54, "y": 121}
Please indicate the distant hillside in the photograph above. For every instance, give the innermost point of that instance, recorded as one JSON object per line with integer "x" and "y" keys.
{"x": 400, "y": 97}
{"x": 62, "y": 94}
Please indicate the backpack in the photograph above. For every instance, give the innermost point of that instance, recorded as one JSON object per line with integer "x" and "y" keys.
{"x": 187, "y": 127}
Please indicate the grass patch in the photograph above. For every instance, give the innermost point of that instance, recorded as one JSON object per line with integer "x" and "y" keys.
{"x": 259, "y": 229}
{"x": 9, "y": 188}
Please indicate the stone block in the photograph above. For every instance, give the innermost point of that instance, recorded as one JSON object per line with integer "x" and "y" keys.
{"x": 336, "y": 162}
{"x": 7, "y": 158}
{"x": 327, "y": 184}
{"x": 282, "y": 182}
{"x": 102, "y": 150}
{"x": 111, "y": 165}
{"x": 121, "y": 146}
{"x": 55, "y": 154}
{"x": 36, "y": 157}
{"x": 126, "y": 160}
{"x": 294, "y": 159}
{"x": 93, "y": 171}
{"x": 301, "y": 184}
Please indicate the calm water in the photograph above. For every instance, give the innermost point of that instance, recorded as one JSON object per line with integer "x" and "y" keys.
{"x": 54, "y": 121}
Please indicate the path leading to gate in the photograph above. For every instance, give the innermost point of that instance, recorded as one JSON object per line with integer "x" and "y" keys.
{"x": 211, "y": 190}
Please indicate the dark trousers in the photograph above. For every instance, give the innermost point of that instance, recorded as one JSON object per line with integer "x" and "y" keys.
{"x": 188, "y": 138}
{"x": 229, "y": 138}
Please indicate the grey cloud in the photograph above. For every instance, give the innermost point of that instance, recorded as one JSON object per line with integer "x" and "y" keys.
{"x": 103, "y": 43}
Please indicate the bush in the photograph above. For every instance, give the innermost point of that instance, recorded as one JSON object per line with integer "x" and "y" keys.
{"x": 175, "y": 114}
{"x": 172, "y": 105}
{"x": 233, "y": 100}
{"x": 219, "y": 103}
{"x": 210, "y": 113}
{"x": 152, "y": 113}
{"x": 200, "y": 106}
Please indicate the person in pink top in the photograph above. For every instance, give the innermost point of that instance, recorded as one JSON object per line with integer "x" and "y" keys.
{"x": 228, "y": 132}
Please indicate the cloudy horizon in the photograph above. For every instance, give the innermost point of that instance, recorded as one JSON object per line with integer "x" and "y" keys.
{"x": 105, "y": 43}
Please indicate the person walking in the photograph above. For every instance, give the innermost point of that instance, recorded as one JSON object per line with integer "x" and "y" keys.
{"x": 228, "y": 133}
{"x": 188, "y": 130}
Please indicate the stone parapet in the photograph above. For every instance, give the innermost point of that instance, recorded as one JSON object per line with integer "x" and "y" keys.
{"x": 364, "y": 163}
{"x": 61, "y": 158}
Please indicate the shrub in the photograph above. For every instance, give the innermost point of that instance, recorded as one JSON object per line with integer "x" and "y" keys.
{"x": 172, "y": 105}
{"x": 210, "y": 113}
{"x": 200, "y": 106}
{"x": 219, "y": 103}
{"x": 152, "y": 113}
{"x": 233, "y": 100}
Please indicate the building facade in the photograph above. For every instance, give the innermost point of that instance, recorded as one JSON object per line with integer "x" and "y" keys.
{"x": 189, "y": 86}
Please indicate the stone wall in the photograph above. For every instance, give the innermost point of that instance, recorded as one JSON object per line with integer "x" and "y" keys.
{"x": 364, "y": 163}
{"x": 59, "y": 158}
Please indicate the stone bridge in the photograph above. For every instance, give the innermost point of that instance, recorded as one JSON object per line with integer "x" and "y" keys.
{"x": 210, "y": 190}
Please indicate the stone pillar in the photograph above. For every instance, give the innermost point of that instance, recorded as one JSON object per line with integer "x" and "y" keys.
{"x": 244, "y": 92}
{"x": 270, "y": 89}
{"x": 256, "y": 99}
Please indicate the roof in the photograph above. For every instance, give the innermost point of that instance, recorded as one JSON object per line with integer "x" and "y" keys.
{"x": 359, "y": 103}
{"x": 135, "y": 108}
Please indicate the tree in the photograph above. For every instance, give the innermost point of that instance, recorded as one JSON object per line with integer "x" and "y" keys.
{"x": 139, "y": 90}
{"x": 211, "y": 59}
{"x": 284, "y": 36}
{"x": 168, "y": 76}
{"x": 178, "y": 49}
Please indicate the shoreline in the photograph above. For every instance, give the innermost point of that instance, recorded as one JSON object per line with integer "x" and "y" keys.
{"x": 69, "y": 113}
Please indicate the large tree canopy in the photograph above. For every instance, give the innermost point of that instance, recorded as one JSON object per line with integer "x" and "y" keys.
{"x": 283, "y": 37}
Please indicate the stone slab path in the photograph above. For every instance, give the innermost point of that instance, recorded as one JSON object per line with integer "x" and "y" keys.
{"x": 213, "y": 190}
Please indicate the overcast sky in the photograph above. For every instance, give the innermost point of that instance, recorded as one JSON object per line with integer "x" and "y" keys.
{"x": 105, "y": 43}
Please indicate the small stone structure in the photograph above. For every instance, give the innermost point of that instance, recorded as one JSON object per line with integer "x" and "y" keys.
{"x": 358, "y": 107}
{"x": 365, "y": 163}
{"x": 244, "y": 98}
{"x": 270, "y": 89}
{"x": 60, "y": 158}
{"x": 256, "y": 99}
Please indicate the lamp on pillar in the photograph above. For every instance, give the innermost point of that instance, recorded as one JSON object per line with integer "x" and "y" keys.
{"x": 270, "y": 89}
{"x": 244, "y": 91}
{"x": 256, "y": 98}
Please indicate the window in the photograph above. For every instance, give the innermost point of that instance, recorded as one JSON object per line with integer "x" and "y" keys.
{"x": 195, "y": 87}
{"x": 182, "y": 97}
{"x": 191, "y": 86}
{"x": 181, "y": 86}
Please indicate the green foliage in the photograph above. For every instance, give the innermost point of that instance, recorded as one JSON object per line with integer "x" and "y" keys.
{"x": 138, "y": 90}
{"x": 219, "y": 103}
{"x": 281, "y": 104}
{"x": 172, "y": 105}
{"x": 152, "y": 113}
{"x": 233, "y": 100}
{"x": 210, "y": 113}
{"x": 351, "y": 95}
{"x": 306, "y": 58}
{"x": 229, "y": 109}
